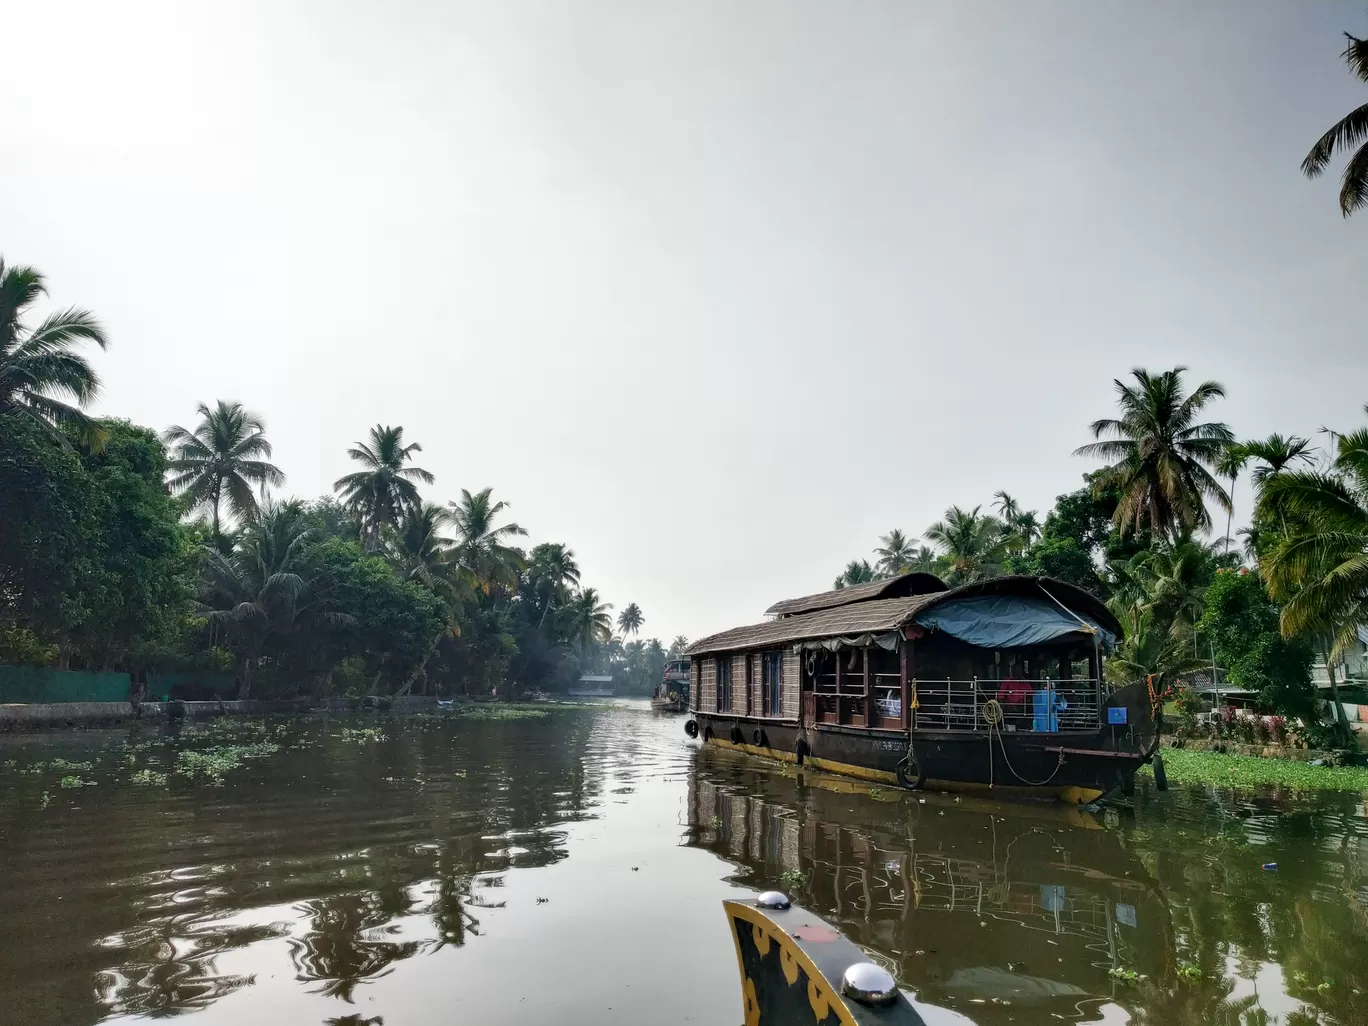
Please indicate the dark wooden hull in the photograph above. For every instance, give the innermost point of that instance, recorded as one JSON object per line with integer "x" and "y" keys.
{"x": 1074, "y": 767}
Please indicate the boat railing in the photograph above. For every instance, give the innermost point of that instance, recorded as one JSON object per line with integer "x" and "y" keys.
{"x": 1040, "y": 706}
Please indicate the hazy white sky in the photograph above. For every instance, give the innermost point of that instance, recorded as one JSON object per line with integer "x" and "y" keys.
{"x": 714, "y": 292}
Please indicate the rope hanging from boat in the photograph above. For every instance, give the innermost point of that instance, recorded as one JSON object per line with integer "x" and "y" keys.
{"x": 995, "y": 727}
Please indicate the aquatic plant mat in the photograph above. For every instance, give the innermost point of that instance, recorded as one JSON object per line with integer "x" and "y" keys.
{"x": 1184, "y": 766}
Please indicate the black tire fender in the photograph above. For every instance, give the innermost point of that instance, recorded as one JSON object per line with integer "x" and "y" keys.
{"x": 801, "y": 750}
{"x": 759, "y": 738}
{"x": 911, "y": 774}
{"x": 736, "y": 736}
{"x": 691, "y": 728}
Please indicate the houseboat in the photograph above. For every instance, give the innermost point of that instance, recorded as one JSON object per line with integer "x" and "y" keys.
{"x": 995, "y": 685}
{"x": 593, "y": 685}
{"x": 671, "y": 694}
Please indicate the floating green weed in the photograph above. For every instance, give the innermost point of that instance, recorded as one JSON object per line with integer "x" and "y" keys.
{"x": 1185, "y": 766}
{"x": 71, "y": 780}
{"x": 213, "y": 763}
{"x": 792, "y": 878}
{"x": 149, "y": 777}
{"x": 46, "y": 800}
{"x": 362, "y": 735}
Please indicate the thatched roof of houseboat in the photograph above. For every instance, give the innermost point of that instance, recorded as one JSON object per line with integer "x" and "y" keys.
{"x": 894, "y": 587}
{"x": 875, "y": 615}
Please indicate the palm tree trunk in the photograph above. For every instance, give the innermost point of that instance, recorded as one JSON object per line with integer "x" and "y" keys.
{"x": 218, "y": 484}
{"x": 1346, "y": 732}
{"x": 248, "y": 664}
{"x": 1230, "y": 514}
{"x": 418, "y": 670}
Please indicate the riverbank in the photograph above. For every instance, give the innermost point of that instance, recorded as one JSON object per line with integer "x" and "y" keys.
{"x": 86, "y": 715}
{"x": 1186, "y": 766}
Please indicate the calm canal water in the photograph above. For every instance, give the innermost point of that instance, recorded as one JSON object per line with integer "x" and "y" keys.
{"x": 570, "y": 869}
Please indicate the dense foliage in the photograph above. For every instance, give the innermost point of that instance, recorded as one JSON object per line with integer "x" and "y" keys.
{"x": 376, "y": 591}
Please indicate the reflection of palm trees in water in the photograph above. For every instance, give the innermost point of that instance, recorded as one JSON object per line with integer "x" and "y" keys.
{"x": 350, "y": 940}
{"x": 172, "y": 968}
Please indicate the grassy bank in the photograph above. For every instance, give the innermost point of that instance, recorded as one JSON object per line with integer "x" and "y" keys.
{"x": 1248, "y": 771}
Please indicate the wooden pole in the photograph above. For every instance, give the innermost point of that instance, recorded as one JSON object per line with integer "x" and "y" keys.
{"x": 903, "y": 646}
{"x": 868, "y": 692}
{"x": 839, "y": 703}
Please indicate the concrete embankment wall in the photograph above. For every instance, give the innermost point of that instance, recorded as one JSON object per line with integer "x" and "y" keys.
{"x": 50, "y": 715}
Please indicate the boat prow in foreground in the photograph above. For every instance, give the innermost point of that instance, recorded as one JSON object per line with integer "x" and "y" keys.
{"x": 996, "y": 685}
{"x": 797, "y": 970}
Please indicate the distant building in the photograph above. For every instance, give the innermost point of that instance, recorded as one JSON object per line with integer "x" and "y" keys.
{"x": 593, "y": 685}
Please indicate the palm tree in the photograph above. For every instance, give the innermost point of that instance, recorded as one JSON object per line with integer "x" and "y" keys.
{"x": 221, "y": 460}
{"x": 923, "y": 559}
{"x": 480, "y": 546}
{"x": 1231, "y": 461}
{"x": 38, "y": 364}
{"x": 972, "y": 544}
{"x": 590, "y": 621}
{"x": 381, "y": 491}
{"x": 1317, "y": 564}
{"x": 551, "y": 573}
{"x": 259, "y": 591}
{"x": 1318, "y": 569}
{"x": 893, "y": 552}
{"x": 1348, "y": 133}
{"x": 677, "y": 646}
{"x": 418, "y": 550}
{"x": 630, "y": 619}
{"x": 1008, "y": 508}
{"x": 857, "y": 571}
{"x": 1161, "y": 454}
{"x": 1150, "y": 649}
{"x": 1277, "y": 453}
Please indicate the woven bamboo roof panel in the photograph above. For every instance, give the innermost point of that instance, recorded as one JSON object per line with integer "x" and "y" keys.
{"x": 875, "y": 615}
{"x": 901, "y": 586}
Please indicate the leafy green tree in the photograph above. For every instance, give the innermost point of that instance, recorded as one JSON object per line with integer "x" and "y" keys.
{"x": 1318, "y": 569}
{"x": 1240, "y": 622}
{"x": 384, "y": 488}
{"x": 894, "y": 553}
{"x": 1347, "y": 135}
{"x": 677, "y": 646}
{"x": 589, "y": 621}
{"x": 387, "y": 620}
{"x": 144, "y": 562}
{"x": 551, "y": 575}
{"x": 48, "y": 529}
{"x": 630, "y": 619}
{"x": 972, "y": 544}
{"x": 857, "y": 571}
{"x": 1161, "y": 454}
{"x": 417, "y": 549}
{"x": 40, "y": 368}
{"x": 221, "y": 461}
{"x": 261, "y": 593}
{"x": 1150, "y": 649}
{"x": 1064, "y": 560}
{"x": 481, "y": 543}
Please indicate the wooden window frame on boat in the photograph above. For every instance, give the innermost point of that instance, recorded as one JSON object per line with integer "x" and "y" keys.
{"x": 723, "y": 669}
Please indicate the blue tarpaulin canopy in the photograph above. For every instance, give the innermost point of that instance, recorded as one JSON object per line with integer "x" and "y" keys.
{"x": 1010, "y": 621}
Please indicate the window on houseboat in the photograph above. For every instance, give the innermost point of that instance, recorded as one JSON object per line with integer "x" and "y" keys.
{"x": 724, "y": 684}
{"x": 772, "y": 684}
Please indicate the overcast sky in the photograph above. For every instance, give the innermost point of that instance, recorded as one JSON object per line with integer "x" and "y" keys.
{"x": 716, "y": 293}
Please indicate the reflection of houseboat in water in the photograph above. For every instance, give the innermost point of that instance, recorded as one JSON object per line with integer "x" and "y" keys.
{"x": 997, "y": 684}
{"x": 1009, "y": 919}
{"x": 671, "y": 694}
{"x": 593, "y": 685}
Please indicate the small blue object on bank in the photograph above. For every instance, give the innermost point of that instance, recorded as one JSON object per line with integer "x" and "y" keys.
{"x": 1116, "y": 715}
{"x": 1271, "y": 867}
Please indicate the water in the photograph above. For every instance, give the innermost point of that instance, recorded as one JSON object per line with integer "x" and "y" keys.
{"x": 571, "y": 869}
